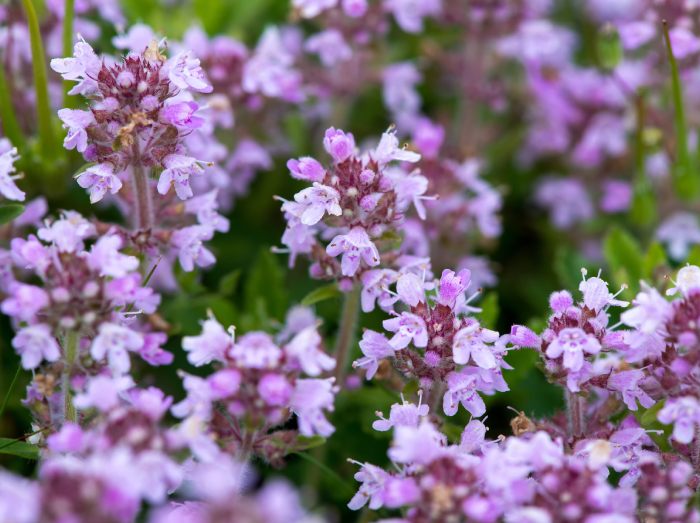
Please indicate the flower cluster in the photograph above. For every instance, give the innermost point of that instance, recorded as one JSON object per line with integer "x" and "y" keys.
{"x": 257, "y": 384}
{"x": 357, "y": 204}
{"x": 434, "y": 340}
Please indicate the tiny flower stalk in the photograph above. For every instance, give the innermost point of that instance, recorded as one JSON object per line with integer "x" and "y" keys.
{"x": 142, "y": 192}
{"x": 575, "y": 414}
{"x": 71, "y": 340}
{"x": 685, "y": 181}
{"x": 346, "y": 332}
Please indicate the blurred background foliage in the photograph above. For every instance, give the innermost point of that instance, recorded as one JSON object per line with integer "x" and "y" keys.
{"x": 252, "y": 288}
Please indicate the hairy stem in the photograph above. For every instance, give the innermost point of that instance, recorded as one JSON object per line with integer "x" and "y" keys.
{"x": 142, "y": 193}
{"x": 70, "y": 353}
{"x": 346, "y": 332}
{"x": 575, "y": 414}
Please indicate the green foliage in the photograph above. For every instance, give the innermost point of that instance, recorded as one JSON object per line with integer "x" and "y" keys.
{"x": 625, "y": 259}
{"x": 19, "y": 448}
{"x": 319, "y": 294}
{"x": 9, "y": 212}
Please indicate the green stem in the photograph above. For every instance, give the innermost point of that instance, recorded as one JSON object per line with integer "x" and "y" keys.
{"x": 685, "y": 183}
{"x": 68, "y": 15}
{"x": 70, "y": 352}
{"x": 43, "y": 108}
{"x": 142, "y": 192}
{"x": 643, "y": 210}
{"x": 7, "y": 114}
{"x": 575, "y": 414}
{"x": 346, "y": 333}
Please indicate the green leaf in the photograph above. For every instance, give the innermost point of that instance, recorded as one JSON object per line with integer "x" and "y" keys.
{"x": 321, "y": 294}
{"x": 489, "y": 310}
{"x": 624, "y": 257}
{"x": 265, "y": 290}
{"x": 658, "y": 431}
{"x": 609, "y": 48}
{"x": 694, "y": 255}
{"x": 567, "y": 266}
{"x": 9, "y": 212}
{"x": 308, "y": 442}
{"x": 654, "y": 258}
{"x": 18, "y": 448}
{"x": 229, "y": 283}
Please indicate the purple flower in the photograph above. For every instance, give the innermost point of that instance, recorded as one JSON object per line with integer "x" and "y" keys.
{"x": 105, "y": 258}
{"x": 573, "y": 343}
{"x": 560, "y": 301}
{"x": 256, "y": 350}
{"x": 76, "y": 121}
{"x": 82, "y": 67}
{"x": 471, "y": 341}
{"x": 355, "y": 247}
{"x": 305, "y": 350}
{"x": 684, "y": 413}
{"x": 452, "y": 285}
{"x": 330, "y": 46}
{"x": 617, "y": 196}
{"x": 679, "y": 232}
{"x": 524, "y": 337}
{"x": 114, "y": 342}
{"x": 404, "y": 414}
{"x": 7, "y": 182}
{"x": 275, "y": 390}
{"x": 181, "y": 114}
{"x": 409, "y": 14}
{"x": 683, "y": 42}
{"x": 388, "y": 150}
{"x": 401, "y": 491}
{"x": 567, "y": 201}
{"x": 24, "y": 302}
{"x": 34, "y": 344}
{"x": 211, "y": 345}
{"x": 687, "y": 281}
{"x": 462, "y": 388}
{"x": 68, "y": 233}
{"x": 375, "y": 347}
{"x": 596, "y": 295}
{"x": 178, "y": 169}
{"x": 309, "y": 399}
{"x": 417, "y": 445}
{"x": 186, "y": 73}
{"x": 410, "y": 289}
{"x": 315, "y": 201}
{"x": 224, "y": 383}
{"x": 312, "y": 8}
{"x": 99, "y": 179}
{"x": 375, "y": 285}
{"x": 103, "y": 392}
{"x": 205, "y": 207}
{"x": 306, "y": 168}
{"x": 70, "y": 439}
{"x": 338, "y": 144}
{"x": 189, "y": 243}
{"x": 270, "y": 70}
{"x": 354, "y": 8}
{"x": 372, "y": 479}
{"x": 650, "y": 311}
{"x": 627, "y": 383}
{"x": 408, "y": 328}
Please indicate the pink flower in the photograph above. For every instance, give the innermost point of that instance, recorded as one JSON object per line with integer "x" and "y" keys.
{"x": 24, "y": 301}
{"x": 114, "y": 342}
{"x": 7, "y": 184}
{"x": 34, "y": 344}
{"x": 309, "y": 399}
{"x": 189, "y": 243}
{"x": 186, "y": 73}
{"x": 573, "y": 343}
{"x": 315, "y": 201}
{"x": 452, "y": 285}
{"x": 211, "y": 345}
{"x": 462, "y": 388}
{"x": 99, "y": 179}
{"x": 375, "y": 347}
{"x": 305, "y": 350}
{"x": 306, "y": 168}
{"x": 355, "y": 247}
{"x": 684, "y": 413}
{"x": 408, "y": 328}
{"x": 105, "y": 258}
{"x": 627, "y": 383}
{"x": 471, "y": 342}
{"x": 82, "y": 67}
{"x": 388, "y": 150}
{"x": 338, "y": 144}
{"x": 181, "y": 114}
{"x": 275, "y": 390}
{"x": 410, "y": 289}
{"x": 178, "y": 169}
{"x": 103, "y": 392}
{"x": 76, "y": 121}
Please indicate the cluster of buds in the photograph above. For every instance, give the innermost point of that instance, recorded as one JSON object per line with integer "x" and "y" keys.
{"x": 435, "y": 341}
{"x": 358, "y": 205}
{"x": 257, "y": 385}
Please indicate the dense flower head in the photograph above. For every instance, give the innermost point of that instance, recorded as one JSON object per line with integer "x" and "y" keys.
{"x": 432, "y": 338}
{"x": 357, "y": 204}
{"x": 259, "y": 380}
{"x": 138, "y": 114}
